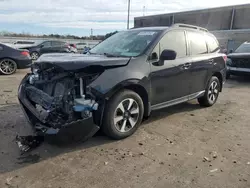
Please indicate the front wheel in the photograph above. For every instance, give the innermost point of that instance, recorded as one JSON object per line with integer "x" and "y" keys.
{"x": 211, "y": 93}
{"x": 123, "y": 114}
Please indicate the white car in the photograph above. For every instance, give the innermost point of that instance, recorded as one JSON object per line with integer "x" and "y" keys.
{"x": 23, "y": 43}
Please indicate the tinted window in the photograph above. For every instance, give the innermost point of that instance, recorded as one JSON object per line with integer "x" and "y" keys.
{"x": 244, "y": 48}
{"x": 197, "y": 43}
{"x": 57, "y": 43}
{"x": 24, "y": 42}
{"x": 174, "y": 40}
{"x": 1, "y": 48}
{"x": 46, "y": 44}
{"x": 212, "y": 43}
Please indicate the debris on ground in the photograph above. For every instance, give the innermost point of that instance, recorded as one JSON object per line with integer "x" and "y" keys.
{"x": 206, "y": 159}
{"x": 140, "y": 143}
{"x": 162, "y": 163}
{"x": 26, "y": 143}
{"x": 248, "y": 163}
{"x": 234, "y": 161}
{"x": 8, "y": 180}
{"x": 214, "y": 170}
{"x": 214, "y": 153}
{"x": 106, "y": 163}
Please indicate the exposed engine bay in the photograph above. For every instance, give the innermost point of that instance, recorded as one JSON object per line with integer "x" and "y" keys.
{"x": 55, "y": 99}
{"x": 61, "y": 97}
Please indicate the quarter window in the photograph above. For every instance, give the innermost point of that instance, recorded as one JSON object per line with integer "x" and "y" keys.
{"x": 197, "y": 43}
{"x": 174, "y": 40}
{"x": 212, "y": 43}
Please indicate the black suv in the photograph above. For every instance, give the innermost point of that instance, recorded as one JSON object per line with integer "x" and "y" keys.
{"x": 121, "y": 80}
{"x": 238, "y": 62}
{"x": 44, "y": 47}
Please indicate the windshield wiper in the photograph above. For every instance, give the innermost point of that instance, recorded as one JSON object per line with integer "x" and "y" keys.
{"x": 110, "y": 55}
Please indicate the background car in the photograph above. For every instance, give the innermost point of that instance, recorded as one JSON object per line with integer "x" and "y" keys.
{"x": 47, "y": 47}
{"x": 23, "y": 43}
{"x": 238, "y": 62}
{"x": 12, "y": 59}
{"x": 80, "y": 45}
{"x": 73, "y": 48}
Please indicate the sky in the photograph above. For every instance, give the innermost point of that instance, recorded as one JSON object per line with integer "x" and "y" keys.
{"x": 77, "y": 17}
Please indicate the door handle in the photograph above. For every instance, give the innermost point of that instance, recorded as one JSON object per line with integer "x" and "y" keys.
{"x": 186, "y": 65}
{"x": 211, "y": 61}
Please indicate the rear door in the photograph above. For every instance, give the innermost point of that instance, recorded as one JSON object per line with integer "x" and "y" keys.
{"x": 201, "y": 61}
{"x": 172, "y": 79}
{"x": 57, "y": 46}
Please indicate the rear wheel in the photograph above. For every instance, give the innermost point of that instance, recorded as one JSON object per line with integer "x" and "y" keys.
{"x": 123, "y": 115}
{"x": 34, "y": 55}
{"x": 211, "y": 93}
{"x": 7, "y": 66}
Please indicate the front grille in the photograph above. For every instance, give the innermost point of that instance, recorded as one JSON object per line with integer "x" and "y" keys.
{"x": 241, "y": 63}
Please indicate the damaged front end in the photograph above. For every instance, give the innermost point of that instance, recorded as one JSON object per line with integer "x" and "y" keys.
{"x": 59, "y": 104}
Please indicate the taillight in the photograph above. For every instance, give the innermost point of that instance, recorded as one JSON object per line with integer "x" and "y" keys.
{"x": 74, "y": 45}
{"x": 224, "y": 57}
{"x": 24, "y": 53}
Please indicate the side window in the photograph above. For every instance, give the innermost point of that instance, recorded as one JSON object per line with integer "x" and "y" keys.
{"x": 47, "y": 44}
{"x": 212, "y": 43}
{"x": 197, "y": 43}
{"x": 1, "y": 48}
{"x": 174, "y": 40}
{"x": 57, "y": 43}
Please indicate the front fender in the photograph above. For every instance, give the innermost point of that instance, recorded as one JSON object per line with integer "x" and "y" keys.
{"x": 113, "y": 79}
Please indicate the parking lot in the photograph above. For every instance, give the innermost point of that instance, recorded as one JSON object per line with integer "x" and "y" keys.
{"x": 180, "y": 146}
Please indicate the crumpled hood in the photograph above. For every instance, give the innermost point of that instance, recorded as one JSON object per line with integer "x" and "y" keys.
{"x": 238, "y": 55}
{"x": 71, "y": 62}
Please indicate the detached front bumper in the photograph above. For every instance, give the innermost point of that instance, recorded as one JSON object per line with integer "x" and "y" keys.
{"x": 81, "y": 129}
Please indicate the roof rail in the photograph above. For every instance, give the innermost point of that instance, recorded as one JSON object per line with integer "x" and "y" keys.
{"x": 190, "y": 26}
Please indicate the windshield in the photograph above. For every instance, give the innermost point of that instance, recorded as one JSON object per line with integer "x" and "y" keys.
{"x": 244, "y": 48}
{"x": 126, "y": 43}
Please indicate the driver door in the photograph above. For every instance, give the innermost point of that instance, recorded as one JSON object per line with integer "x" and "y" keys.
{"x": 170, "y": 81}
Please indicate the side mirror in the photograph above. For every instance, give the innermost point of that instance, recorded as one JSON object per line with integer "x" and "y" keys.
{"x": 42, "y": 45}
{"x": 230, "y": 51}
{"x": 167, "y": 55}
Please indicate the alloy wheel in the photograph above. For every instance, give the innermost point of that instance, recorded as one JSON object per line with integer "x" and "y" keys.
{"x": 34, "y": 56}
{"x": 213, "y": 91}
{"x": 8, "y": 66}
{"x": 126, "y": 115}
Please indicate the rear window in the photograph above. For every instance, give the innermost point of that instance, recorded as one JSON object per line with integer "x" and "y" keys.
{"x": 24, "y": 42}
{"x": 197, "y": 43}
{"x": 212, "y": 43}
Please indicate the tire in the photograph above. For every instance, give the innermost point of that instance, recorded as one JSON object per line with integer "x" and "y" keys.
{"x": 117, "y": 124}
{"x": 7, "y": 66}
{"x": 34, "y": 55}
{"x": 207, "y": 100}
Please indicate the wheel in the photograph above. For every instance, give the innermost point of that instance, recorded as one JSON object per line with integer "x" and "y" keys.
{"x": 8, "y": 66}
{"x": 34, "y": 55}
{"x": 123, "y": 115}
{"x": 211, "y": 93}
